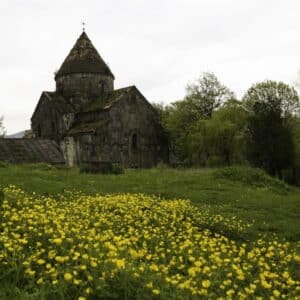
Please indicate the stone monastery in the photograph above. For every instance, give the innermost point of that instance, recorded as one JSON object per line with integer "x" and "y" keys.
{"x": 85, "y": 120}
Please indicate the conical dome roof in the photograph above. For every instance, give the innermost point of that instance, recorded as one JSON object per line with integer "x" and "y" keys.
{"x": 83, "y": 58}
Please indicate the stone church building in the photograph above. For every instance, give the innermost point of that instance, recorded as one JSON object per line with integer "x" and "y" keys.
{"x": 93, "y": 122}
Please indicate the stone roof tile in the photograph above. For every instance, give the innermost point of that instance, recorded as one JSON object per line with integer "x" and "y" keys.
{"x": 112, "y": 98}
{"x": 84, "y": 58}
{"x": 30, "y": 151}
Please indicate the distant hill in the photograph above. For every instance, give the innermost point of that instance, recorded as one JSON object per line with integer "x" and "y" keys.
{"x": 17, "y": 135}
{"x": 20, "y": 135}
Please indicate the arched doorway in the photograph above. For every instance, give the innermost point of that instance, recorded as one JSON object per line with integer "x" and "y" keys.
{"x": 134, "y": 150}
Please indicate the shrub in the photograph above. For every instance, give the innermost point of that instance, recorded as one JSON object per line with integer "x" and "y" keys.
{"x": 4, "y": 164}
{"x": 215, "y": 160}
{"x": 117, "y": 169}
{"x": 41, "y": 166}
{"x": 162, "y": 166}
{"x": 250, "y": 176}
{"x": 101, "y": 168}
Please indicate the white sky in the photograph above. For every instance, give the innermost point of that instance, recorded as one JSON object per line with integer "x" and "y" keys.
{"x": 158, "y": 45}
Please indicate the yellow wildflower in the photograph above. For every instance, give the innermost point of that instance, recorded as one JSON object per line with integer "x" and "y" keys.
{"x": 68, "y": 276}
{"x": 206, "y": 283}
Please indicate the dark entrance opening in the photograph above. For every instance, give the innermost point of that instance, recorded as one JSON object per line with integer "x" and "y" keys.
{"x": 134, "y": 142}
{"x": 39, "y": 131}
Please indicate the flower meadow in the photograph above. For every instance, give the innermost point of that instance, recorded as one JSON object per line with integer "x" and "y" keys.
{"x": 75, "y": 246}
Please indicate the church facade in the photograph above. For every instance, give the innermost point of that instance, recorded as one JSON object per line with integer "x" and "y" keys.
{"x": 92, "y": 121}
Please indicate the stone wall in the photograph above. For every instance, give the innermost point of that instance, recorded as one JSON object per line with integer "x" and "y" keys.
{"x": 91, "y": 85}
{"x": 48, "y": 122}
{"x": 44, "y": 124}
{"x": 127, "y": 131}
{"x": 131, "y": 137}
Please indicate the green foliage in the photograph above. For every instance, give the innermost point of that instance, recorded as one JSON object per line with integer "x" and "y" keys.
{"x": 42, "y": 166}
{"x": 117, "y": 169}
{"x": 210, "y": 128}
{"x": 3, "y": 164}
{"x": 162, "y": 111}
{"x": 201, "y": 132}
{"x": 270, "y": 140}
{"x": 273, "y": 94}
{"x": 251, "y": 176}
{"x": 295, "y": 124}
{"x": 178, "y": 122}
{"x": 215, "y": 161}
{"x": 102, "y": 168}
{"x": 1, "y": 202}
{"x": 162, "y": 166}
{"x": 271, "y": 211}
{"x": 207, "y": 94}
{"x": 292, "y": 175}
{"x": 220, "y": 140}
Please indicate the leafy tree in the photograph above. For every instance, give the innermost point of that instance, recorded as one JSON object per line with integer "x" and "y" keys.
{"x": 2, "y": 129}
{"x": 183, "y": 118}
{"x": 274, "y": 94}
{"x": 296, "y": 142}
{"x": 162, "y": 111}
{"x": 207, "y": 94}
{"x": 220, "y": 140}
{"x": 210, "y": 142}
{"x": 234, "y": 111}
{"x": 233, "y": 115}
{"x": 178, "y": 120}
{"x": 270, "y": 141}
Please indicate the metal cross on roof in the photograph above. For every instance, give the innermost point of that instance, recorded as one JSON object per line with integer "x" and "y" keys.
{"x": 83, "y": 26}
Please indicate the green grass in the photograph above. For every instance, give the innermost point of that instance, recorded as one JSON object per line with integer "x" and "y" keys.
{"x": 273, "y": 206}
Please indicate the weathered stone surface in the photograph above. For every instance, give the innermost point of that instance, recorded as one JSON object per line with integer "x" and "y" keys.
{"x": 92, "y": 122}
{"x": 84, "y": 58}
{"x": 87, "y": 85}
{"x": 30, "y": 151}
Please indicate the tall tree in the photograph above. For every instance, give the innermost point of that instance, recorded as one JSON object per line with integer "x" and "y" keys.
{"x": 183, "y": 119}
{"x": 220, "y": 140}
{"x": 207, "y": 94}
{"x": 270, "y": 141}
{"x": 179, "y": 120}
{"x": 274, "y": 94}
{"x": 296, "y": 141}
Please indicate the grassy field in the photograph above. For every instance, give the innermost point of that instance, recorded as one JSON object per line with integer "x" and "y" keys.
{"x": 272, "y": 207}
{"x": 69, "y": 235}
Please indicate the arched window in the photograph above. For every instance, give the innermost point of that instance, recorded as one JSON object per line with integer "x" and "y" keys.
{"x": 102, "y": 88}
{"x": 134, "y": 142}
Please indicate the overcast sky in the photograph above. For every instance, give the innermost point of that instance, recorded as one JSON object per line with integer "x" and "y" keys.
{"x": 157, "y": 45}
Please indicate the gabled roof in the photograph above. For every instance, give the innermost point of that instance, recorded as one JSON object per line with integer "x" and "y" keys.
{"x": 113, "y": 97}
{"x": 100, "y": 107}
{"x": 30, "y": 151}
{"x": 84, "y": 58}
{"x": 58, "y": 102}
